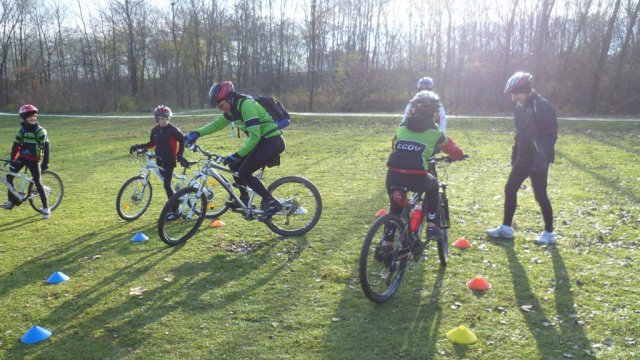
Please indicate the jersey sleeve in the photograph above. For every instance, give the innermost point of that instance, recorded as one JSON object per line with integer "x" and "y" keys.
{"x": 218, "y": 124}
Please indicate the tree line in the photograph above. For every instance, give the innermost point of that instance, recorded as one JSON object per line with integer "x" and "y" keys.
{"x": 319, "y": 55}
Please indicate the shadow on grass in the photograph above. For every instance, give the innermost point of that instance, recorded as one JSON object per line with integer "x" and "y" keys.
{"x": 602, "y": 177}
{"x": 116, "y": 328}
{"x": 561, "y": 335}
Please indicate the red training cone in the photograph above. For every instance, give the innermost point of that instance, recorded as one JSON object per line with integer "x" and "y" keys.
{"x": 462, "y": 243}
{"x": 217, "y": 223}
{"x": 478, "y": 283}
{"x": 381, "y": 212}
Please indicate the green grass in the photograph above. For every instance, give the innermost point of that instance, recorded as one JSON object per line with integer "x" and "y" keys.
{"x": 241, "y": 292}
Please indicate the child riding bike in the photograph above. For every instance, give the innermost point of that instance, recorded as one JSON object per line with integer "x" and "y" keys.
{"x": 168, "y": 142}
{"x": 415, "y": 141}
{"x": 29, "y": 147}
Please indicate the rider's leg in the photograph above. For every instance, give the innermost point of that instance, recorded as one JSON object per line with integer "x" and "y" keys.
{"x": 34, "y": 168}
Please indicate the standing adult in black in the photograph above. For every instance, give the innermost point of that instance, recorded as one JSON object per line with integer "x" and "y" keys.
{"x": 533, "y": 151}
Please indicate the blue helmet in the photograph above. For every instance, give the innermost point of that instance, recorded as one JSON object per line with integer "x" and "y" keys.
{"x": 425, "y": 83}
{"x": 519, "y": 83}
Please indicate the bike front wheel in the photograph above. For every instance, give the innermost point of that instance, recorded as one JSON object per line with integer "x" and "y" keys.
{"x": 301, "y": 206}
{"x": 181, "y": 216}
{"x": 134, "y": 198}
{"x": 217, "y": 198}
{"x": 382, "y": 265}
{"x": 53, "y": 188}
{"x": 443, "y": 241}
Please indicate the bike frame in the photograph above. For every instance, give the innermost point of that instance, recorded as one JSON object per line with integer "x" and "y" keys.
{"x": 25, "y": 179}
{"x": 210, "y": 168}
{"x": 150, "y": 167}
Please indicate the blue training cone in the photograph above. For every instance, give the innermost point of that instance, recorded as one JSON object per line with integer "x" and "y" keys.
{"x": 139, "y": 237}
{"x": 57, "y": 277}
{"x": 35, "y": 335}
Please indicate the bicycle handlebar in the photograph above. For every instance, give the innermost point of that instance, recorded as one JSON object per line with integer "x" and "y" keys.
{"x": 211, "y": 156}
{"x": 448, "y": 158}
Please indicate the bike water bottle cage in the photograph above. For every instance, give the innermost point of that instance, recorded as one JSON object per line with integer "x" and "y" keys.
{"x": 399, "y": 196}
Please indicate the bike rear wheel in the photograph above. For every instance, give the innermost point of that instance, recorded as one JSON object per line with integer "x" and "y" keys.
{"x": 53, "y": 188}
{"x": 443, "y": 241}
{"x": 134, "y": 198}
{"x": 381, "y": 268}
{"x": 181, "y": 216}
{"x": 302, "y": 206}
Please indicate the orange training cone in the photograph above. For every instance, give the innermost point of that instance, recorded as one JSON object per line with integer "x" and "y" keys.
{"x": 462, "y": 243}
{"x": 381, "y": 212}
{"x": 478, "y": 283}
{"x": 217, "y": 223}
{"x": 462, "y": 336}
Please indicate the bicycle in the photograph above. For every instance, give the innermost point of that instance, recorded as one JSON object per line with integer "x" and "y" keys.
{"x": 182, "y": 215}
{"x": 51, "y": 182}
{"x": 382, "y": 268}
{"x": 134, "y": 197}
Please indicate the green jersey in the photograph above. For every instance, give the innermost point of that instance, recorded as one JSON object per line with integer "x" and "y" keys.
{"x": 251, "y": 118}
{"x": 412, "y": 150}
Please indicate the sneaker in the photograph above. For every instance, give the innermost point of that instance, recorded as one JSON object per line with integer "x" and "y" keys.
{"x": 171, "y": 216}
{"x": 46, "y": 213}
{"x": 232, "y": 204}
{"x": 7, "y": 205}
{"x": 502, "y": 231}
{"x": 546, "y": 238}
{"x": 272, "y": 207}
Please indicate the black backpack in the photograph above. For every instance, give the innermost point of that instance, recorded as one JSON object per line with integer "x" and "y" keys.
{"x": 275, "y": 109}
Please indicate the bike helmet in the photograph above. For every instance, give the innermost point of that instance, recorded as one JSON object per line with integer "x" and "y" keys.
{"x": 425, "y": 83}
{"x": 519, "y": 83}
{"x": 162, "y": 111}
{"x": 425, "y": 103}
{"x": 220, "y": 92}
{"x": 27, "y": 110}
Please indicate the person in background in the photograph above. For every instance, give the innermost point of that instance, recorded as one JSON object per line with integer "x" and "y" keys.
{"x": 536, "y": 134}
{"x": 29, "y": 147}
{"x": 426, "y": 84}
{"x": 264, "y": 140}
{"x": 168, "y": 142}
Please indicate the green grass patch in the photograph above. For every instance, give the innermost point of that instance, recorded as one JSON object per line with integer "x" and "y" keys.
{"x": 242, "y": 292}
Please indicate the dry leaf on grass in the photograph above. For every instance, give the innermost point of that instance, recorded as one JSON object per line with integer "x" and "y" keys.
{"x": 137, "y": 291}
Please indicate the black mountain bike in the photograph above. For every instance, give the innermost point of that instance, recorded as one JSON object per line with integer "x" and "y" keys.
{"x": 382, "y": 267}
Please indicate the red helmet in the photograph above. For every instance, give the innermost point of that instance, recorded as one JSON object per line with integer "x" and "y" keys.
{"x": 220, "y": 92}
{"x": 27, "y": 110}
{"x": 162, "y": 111}
{"x": 519, "y": 83}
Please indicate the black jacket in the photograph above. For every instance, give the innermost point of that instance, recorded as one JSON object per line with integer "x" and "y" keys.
{"x": 168, "y": 142}
{"x": 536, "y": 131}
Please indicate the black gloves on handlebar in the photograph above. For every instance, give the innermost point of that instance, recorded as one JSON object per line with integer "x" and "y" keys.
{"x": 134, "y": 148}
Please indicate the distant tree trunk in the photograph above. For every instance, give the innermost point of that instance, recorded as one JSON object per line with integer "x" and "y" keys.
{"x": 311, "y": 67}
{"x": 606, "y": 43}
{"x": 507, "y": 51}
{"x": 542, "y": 33}
{"x": 618, "y": 87}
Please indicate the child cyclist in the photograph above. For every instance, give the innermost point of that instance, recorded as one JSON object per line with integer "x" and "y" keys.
{"x": 29, "y": 147}
{"x": 414, "y": 143}
{"x": 168, "y": 141}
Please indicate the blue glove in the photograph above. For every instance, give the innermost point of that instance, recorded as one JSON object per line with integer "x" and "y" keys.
{"x": 191, "y": 137}
{"x": 232, "y": 159}
{"x": 44, "y": 166}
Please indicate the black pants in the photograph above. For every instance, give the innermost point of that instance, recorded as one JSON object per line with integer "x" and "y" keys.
{"x": 266, "y": 150}
{"x": 34, "y": 169}
{"x": 418, "y": 183}
{"x": 539, "y": 184}
{"x": 166, "y": 170}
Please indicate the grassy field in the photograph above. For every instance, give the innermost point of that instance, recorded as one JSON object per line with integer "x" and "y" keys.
{"x": 241, "y": 292}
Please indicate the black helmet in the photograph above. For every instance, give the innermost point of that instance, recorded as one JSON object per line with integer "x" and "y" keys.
{"x": 425, "y": 103}
{"x": 519, "y": 83}
{"x": 220, "y": 92}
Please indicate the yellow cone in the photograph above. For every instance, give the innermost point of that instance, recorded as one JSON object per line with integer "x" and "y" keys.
{"x": 217, "y": 223}
{"x": 462, "y": 336}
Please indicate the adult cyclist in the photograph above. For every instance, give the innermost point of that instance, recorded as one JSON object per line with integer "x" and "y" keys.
{"x": 264, "y": 140}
